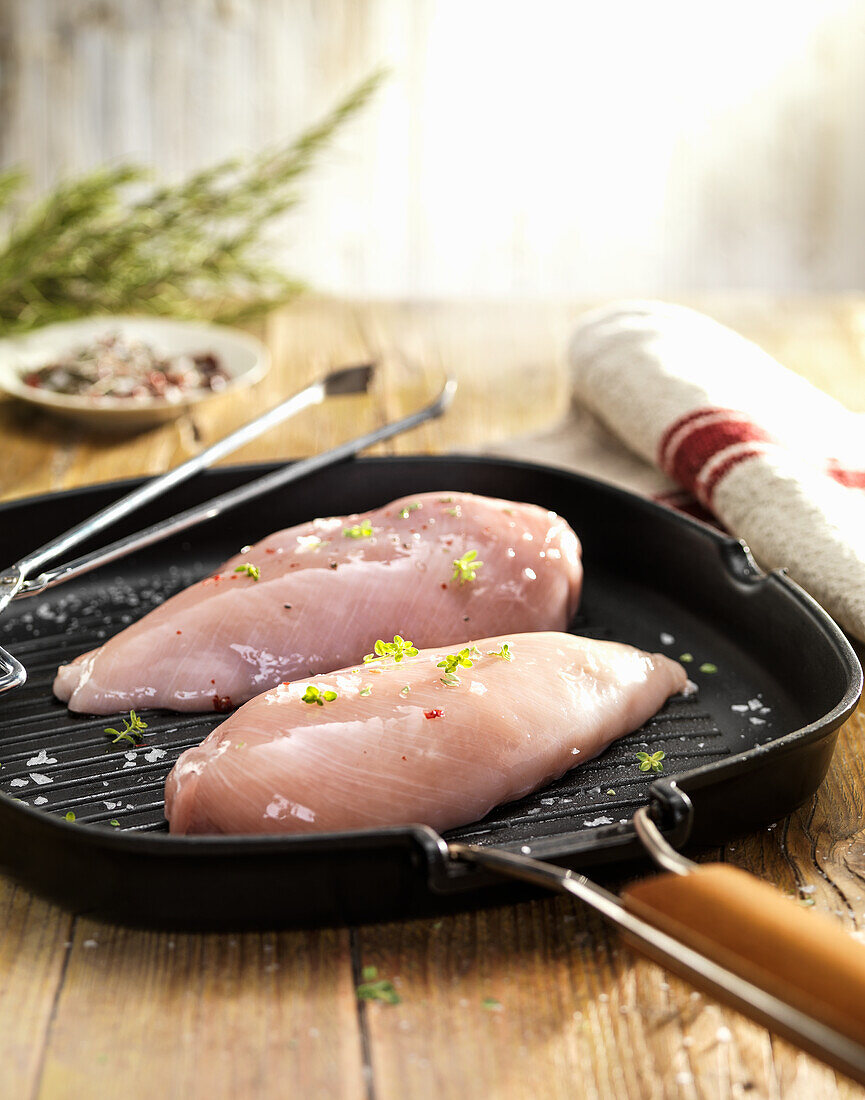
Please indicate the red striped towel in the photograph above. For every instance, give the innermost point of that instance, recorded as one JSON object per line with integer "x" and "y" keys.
{"x": 779, "y": 463}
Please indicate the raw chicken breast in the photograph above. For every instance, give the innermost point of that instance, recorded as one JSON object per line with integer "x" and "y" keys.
{"x": 398, "y": 744}
{"x": 315, "y": 597}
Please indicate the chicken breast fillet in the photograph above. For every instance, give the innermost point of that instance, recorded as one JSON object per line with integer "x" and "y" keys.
{"x": 393, "y": 743}
{"x": 315, "y": 597}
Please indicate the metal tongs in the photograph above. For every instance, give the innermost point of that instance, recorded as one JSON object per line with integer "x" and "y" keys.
{"x": 24, "y": 578}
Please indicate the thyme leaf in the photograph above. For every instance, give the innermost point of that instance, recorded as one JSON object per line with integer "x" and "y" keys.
{"x": 381, "y": 990}
{"x": 466, "y": 568}
{"x": 462, "y": 659}
{"x": 359, "y": 531}
{"x": 397, "y": 649}
{"x": 651, "y": 762}
{"x": 314, "y": 695}
{"x": 132, "y": 731}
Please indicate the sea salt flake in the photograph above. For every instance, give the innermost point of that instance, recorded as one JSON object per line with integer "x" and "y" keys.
{"x": 40, "y": 780}
{"x": 20, "y": 782}
{"x": 41, "y": 757}
{"x": 724, "y": 1035}
{"x": 666, "y": 639}
{"x": 755, "y": 721}
{"x": 599, "y": 821}
{"x": 154, "y": 755}
{"x": 741, "y": 708}
{"x": 755, "y": 704}
{"x": 40, "y": 801}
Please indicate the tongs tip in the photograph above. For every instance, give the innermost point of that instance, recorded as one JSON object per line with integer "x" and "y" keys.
{"x": 348, "y": 380}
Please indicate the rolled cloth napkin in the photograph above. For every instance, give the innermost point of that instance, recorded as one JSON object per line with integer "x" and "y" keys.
{"x": 781, "y": 464}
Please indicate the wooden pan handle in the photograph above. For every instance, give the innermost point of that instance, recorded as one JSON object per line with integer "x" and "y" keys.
{"x": 748, "y": 927}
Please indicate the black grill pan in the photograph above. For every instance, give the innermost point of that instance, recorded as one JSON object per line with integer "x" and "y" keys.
{"x": 752, "y": 744}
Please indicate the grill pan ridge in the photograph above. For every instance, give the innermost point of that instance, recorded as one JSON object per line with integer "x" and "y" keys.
{"x": 753, "y": 742}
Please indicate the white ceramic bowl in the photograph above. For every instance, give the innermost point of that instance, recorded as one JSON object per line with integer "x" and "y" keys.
{"x": 243, "y": 357}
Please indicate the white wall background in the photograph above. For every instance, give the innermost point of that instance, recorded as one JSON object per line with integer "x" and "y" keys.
{"x": 541, "y": 147}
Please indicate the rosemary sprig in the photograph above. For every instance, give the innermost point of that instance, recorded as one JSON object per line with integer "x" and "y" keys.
{"x": 104, "y": 242}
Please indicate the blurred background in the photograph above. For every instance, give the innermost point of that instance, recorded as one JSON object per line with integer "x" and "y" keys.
{"x": 552, "y": 148}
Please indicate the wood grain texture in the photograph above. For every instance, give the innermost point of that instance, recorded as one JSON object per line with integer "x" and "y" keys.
{"x": 34, "y": 944}
{"x": 144, "y": 1014}
{"x": 90, "y": 1010}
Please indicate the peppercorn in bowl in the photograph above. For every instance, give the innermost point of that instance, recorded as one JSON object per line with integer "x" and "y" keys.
{"x": 128, "y": 373}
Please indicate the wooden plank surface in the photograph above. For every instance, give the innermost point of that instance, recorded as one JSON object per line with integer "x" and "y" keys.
{"x": 91, "y": 1010}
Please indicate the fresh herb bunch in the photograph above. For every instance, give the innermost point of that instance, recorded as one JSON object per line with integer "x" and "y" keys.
{"x": 96, "y": 244}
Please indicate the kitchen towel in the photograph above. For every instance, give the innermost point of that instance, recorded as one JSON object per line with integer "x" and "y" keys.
{"x": 675, "y": 405}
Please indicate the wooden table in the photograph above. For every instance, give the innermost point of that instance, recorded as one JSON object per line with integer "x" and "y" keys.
{"x": 90, "y": 1010}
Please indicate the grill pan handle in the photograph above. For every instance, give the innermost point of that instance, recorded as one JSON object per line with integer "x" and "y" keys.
{"x": 804, "y": 959}
{"x": 731, "y": 935}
